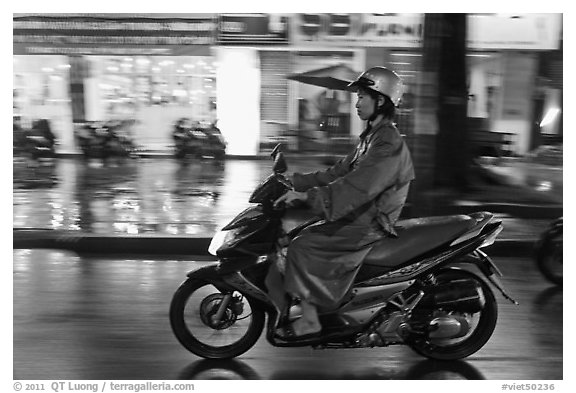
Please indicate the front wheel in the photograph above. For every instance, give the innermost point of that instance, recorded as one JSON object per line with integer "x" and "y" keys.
{"x": 479, "y": 324}
{"x": 194, "y": 319}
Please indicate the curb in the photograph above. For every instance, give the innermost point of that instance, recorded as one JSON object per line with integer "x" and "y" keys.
{"x": 169, "y": 246}
{"x": 88, "y": 243}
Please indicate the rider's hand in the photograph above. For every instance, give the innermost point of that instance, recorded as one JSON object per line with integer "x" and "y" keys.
{"x": 291, "y": 197}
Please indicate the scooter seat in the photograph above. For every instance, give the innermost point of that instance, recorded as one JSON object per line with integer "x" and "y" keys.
{"x": 416, "y": 237}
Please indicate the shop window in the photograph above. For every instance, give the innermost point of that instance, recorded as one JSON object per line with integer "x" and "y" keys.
{"x": 182, "y": 82}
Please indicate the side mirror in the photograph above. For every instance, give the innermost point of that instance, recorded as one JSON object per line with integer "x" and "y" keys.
{"x": 280, "y": 165}
{"x": 277, "y": 149}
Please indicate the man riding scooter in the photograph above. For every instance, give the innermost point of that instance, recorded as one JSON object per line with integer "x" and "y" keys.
{"x": 359, "y": 198}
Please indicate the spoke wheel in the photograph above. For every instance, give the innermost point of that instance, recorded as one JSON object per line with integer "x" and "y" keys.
{"x": 193, "y": 317}
{"x": 481, "y": 325}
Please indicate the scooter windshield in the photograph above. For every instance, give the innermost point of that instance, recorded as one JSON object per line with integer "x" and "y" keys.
{"x": 250, "y": 216}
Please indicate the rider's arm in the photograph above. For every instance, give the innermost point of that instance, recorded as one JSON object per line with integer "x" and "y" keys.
{"x": 303, "y": 182}
{"x": 387, "y": 164}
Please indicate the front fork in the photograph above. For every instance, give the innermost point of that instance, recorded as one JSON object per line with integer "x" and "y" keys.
{"x": 222, "y": 308}
{"x": 491, "y": 271}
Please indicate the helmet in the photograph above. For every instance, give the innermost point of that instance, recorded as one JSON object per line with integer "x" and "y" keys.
{"x": 381, "y": 80}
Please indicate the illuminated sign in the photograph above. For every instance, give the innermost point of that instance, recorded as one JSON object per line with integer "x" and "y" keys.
{"x": 252, "y": 29}
{"x": 112, "y": 35}
{"x": 485, "y": 31}
{"x": 514, "y": 31}
{"x": 389, "y": 30}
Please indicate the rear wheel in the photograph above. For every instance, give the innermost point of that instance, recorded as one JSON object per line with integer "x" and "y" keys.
{"x": 480, "y": 324}
{"x": 194, "y": 321}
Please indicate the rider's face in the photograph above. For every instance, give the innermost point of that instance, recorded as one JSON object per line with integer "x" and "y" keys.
{"x": 365, "y": 105}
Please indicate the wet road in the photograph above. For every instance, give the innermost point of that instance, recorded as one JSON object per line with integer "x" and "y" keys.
{"x": 95, "y": 318}
{"x": 159, "y": 196}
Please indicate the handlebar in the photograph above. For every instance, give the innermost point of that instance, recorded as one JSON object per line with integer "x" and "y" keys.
{"x": 285, "y": 181}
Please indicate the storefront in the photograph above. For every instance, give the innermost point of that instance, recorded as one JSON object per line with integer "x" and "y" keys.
{"x": 150, "y": 68}
{"x": 505, "y": 79}
{"x": 503, "y": 55}
{"x": 41, "y": 91}
{"x": 314, "y": 117}
{"x": 75, "y": 68}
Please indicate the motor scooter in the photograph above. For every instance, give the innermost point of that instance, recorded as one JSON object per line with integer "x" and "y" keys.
{"x": 196, "y": 140}
{"x": 36, "y": 142}
{"x": 103, "y": 140}
{"x": 429, "y": 288}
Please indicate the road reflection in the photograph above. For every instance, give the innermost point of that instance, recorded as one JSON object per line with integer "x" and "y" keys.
{"x": 424, "y": 370}
{"x": 550, "y": 297}
{"x": 432, "y": 369}
{"x": 42, "y": 176}
{"x": 219, "y": 369}
{"x": 546, "y": 317}
{"x": 198, "y": 180}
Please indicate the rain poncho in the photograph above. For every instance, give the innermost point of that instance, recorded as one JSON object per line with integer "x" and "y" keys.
{"x": 360, "y": 198}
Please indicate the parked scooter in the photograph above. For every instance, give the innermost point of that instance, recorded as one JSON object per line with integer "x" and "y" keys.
{"x": 195, "y": 140}
{"x": 36, "y": 142}
{"x": 215, "y": 145}
{"x": 549, "y": 250}
{"x": 105, "y": 140}
{"x": 427, "y": 289}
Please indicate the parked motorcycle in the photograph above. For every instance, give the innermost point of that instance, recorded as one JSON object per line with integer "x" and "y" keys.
{"x": 427, "y": 289}
{"x": 36, "y": 142}
{"x": 216, "y": 145}
{"x": 197, "y": 141}
{"x": 106, "y": 139}
{"x": 549, "y": 252}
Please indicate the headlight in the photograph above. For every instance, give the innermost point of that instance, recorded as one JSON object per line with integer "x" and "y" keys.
{"x": 217, "y": 241}
{"x": 221, "y": 238}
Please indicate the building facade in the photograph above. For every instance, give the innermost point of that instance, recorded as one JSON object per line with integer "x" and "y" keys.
{"x": 237, "y": 70}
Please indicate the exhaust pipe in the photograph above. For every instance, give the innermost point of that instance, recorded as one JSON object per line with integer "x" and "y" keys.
{"x": 452, "y": 326}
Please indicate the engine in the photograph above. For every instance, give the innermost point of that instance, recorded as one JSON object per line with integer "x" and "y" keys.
{"x": 441, "y": 313}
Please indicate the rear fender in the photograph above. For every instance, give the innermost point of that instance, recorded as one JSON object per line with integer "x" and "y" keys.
{"x": 478, "y": 262}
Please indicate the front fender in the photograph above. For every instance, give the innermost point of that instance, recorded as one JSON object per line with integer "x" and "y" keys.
{"x": 204, "y": 272}
{"x": 209, "y": 274}
{"x": 212, "y": 274}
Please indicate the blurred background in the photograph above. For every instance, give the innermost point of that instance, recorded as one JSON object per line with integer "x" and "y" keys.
{"x": 130, "y": 130}
{"x": 483, "y": 97}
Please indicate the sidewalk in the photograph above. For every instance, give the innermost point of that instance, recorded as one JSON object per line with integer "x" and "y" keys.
{"x": 157, "y": 207}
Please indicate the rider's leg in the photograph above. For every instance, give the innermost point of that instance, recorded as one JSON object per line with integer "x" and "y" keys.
{"x": 275, "y": 285}
{"x": 309, "y": 322}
